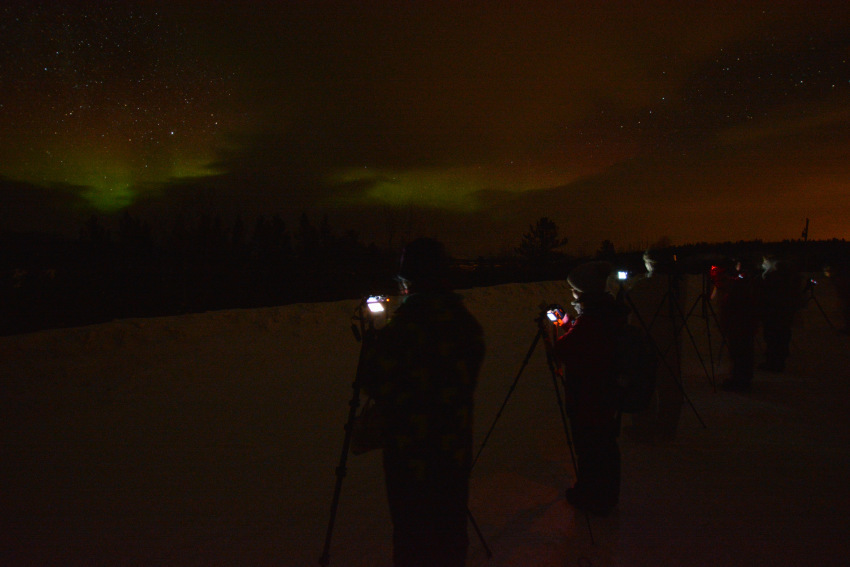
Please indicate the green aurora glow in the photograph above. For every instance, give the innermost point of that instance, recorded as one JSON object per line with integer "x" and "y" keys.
{"x": 625, "y": 121}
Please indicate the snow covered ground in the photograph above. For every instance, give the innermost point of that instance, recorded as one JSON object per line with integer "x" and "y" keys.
{"x": 213, "y": 439}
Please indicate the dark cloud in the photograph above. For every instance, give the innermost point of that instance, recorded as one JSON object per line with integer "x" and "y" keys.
{"x": 25, "y": 207}
{"x": 624, "y": 120}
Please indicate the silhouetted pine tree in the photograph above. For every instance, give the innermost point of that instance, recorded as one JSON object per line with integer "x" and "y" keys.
{"x": 539, "y": 245}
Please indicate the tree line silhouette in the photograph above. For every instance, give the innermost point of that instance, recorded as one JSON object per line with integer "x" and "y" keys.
{"x": 201, "y": 264}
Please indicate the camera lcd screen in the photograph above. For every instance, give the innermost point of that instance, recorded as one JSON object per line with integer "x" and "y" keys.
{"x": 376, "y": 303}
{"x": 555, "y": 314}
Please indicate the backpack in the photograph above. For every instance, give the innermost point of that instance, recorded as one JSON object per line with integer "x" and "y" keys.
{"x": 634, "y": 369}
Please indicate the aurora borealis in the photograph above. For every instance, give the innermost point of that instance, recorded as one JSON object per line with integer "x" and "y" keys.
{"x": 624, "y": 120}
{"x": 108, "y": 99}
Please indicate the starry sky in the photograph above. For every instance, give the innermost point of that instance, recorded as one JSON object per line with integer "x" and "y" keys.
{"x": 626, "y": 121}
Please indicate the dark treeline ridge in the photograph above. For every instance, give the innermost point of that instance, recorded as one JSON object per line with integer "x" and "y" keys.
{"x": 199, "y": 265}
{"x": 126, "y": 271}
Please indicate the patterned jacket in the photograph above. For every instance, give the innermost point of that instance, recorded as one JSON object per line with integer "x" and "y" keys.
{"x": 422, "y": 369}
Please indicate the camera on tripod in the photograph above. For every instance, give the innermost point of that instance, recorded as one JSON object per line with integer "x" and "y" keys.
{"x": 557, "y": 315}
{"x": 371, "y": 314}
{"x": 377, "y": 304}
{"x": 362, "y": 431}
{"x": 373, "y": 311}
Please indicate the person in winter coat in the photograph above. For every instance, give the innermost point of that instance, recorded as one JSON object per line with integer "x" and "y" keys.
{"x": 839, "y": 272}
{"x": 779, "y": 299}
{"x": 657, "y": 303}
{"x": 421, "y": 369}
{"x": 585, "y": 350}
{"x": 735, "y": 293}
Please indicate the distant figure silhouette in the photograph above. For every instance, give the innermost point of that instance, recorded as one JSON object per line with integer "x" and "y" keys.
{"x": 735, "y": 294}
{"x": 779, "y": 299}
{"x": 838, "y": 271}
{"x": 657, "y": 302}
{"x": 422, "y": 369}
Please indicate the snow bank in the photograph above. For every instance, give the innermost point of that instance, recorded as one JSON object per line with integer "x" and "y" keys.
{"x": 213, "y": 439}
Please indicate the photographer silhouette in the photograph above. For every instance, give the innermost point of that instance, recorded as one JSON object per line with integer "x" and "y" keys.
{"x": 586, "y": 353}
{"x": 422, "y": 369}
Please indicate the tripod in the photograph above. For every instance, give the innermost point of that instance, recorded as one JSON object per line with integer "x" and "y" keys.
{"x": 674, "y": 309}
{"x": 543, "y": 333}
{"x": 809, "y": 295}
{"x": 707, "y": 310}
{"x": 362, "y": 332}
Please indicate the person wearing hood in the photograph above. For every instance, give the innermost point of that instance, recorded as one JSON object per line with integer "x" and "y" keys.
{"x": 780, "y": 293}
{"x": 585, "y": 352}
{"x": 421, "y": 369}
{"x": 657, "y": 302}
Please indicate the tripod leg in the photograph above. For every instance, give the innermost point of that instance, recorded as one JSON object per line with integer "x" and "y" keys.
{"x": 812, "y": 296}
{"x": 684, "y": 325}
{"x": 479, "y": 534}
{"x": 563, "y": 411}
{"x": 676, "y": 310}
{"x": 709, "y": 376}
{"x": 341, "y": 469}
{"x": 550, "y": 361}
{"x": 490, "y": 431}
{"x": 510, "y": 392}
{"x": 663, "y": 358}
{"x": 706, "y": 306}
{"x": 714, "y": 316}
{"x": 705, "y": 302}
{"x": 360, "y": 333}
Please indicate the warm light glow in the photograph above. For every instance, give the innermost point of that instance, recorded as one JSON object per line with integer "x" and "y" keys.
{"x": 376, "y": 304}
{"x": 557, "y": 315}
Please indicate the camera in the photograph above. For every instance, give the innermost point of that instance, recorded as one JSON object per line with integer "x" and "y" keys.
{"x": 622, "y": 275}
{"x": 371, "y": 314}
{"x": 556, "y": 314}
{"x": 376, "y": 303}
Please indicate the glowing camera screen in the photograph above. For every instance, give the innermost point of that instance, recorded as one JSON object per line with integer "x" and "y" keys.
{"x": 555, "y": 314}
{"x": 622, "y": 275}
{"x": 375, "y": 303}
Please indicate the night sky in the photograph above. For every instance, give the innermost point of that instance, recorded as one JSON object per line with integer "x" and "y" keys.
{"x": 627, "y": 121}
